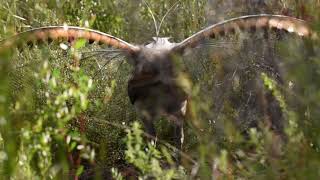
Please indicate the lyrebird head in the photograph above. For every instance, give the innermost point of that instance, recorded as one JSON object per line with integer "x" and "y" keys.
{"x": 154, "y": 57}
{"x": 160, "y": 43}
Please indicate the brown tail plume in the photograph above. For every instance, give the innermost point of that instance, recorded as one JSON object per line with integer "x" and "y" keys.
{"x": 52, "y": 33}
{"x": 251, "y": 23}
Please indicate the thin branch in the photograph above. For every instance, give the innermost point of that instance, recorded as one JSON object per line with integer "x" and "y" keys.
{"x": 173, "y": 6}
{"x": 124, "y": 127}
{"x": 108, "y": 61}
{"x": 152, "y": 15}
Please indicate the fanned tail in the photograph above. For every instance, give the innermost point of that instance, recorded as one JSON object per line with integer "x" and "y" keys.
{"x": 249, "y": 23}
{"x": 70, "y": 33}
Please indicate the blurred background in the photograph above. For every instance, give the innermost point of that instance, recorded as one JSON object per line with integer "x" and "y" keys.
{"x": 65, "y": 113}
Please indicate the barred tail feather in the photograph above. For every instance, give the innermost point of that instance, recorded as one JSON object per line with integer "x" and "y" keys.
{"x": 250, "y": 23}
{"x": 52, "y": 33}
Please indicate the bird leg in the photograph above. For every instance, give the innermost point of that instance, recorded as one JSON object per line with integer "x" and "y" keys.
{"x": 149, "y": 126}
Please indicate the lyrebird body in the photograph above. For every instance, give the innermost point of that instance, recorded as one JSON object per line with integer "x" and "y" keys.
{"x": 154, "y": 87}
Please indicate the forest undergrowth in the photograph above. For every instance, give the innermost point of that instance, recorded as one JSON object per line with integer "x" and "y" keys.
{"x": 65, "y": 112}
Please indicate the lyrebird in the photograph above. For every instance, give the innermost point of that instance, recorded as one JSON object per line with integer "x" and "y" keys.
{"x": 154, "y": 87}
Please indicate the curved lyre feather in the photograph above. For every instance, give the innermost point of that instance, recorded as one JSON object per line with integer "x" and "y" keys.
{"x": 251, "y": 22}
{"x": 67, "y": 33}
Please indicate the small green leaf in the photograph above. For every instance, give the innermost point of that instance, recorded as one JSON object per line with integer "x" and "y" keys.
{"x": 80, "y": 170}
{"x": 56, "y": 73}
{"x": 80, "y": 43}
{"x": 73, "y": 145}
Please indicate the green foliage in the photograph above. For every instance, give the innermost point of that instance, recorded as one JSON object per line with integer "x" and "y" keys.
{"x": 44, "y": 132}
{"x": 148, "y": 159}
{"x": 116, "y": 174}
{"x": 60, "y": 114}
